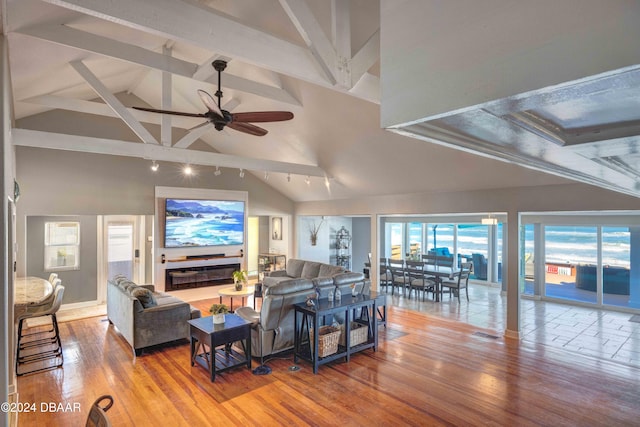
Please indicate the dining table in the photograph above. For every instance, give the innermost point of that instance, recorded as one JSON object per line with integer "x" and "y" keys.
{"x": 438, "y": 272}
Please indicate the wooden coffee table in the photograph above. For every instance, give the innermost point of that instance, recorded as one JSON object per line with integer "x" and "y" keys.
{"x": 231, "y": 292}
{"x": 206, "y": 336}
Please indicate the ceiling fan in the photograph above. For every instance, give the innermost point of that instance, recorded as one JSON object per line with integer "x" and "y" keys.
{"x": 221, "y": 118}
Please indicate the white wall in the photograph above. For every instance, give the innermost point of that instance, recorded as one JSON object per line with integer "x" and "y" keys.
{"x": 320, "y": 252}
{"x": 440, "y": 56}
{"x": 325, "y": 248}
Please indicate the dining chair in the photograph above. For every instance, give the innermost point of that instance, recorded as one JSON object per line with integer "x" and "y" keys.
{"x": 398, "y": 275}
{"x": 418, "y": 281}
{"x": 385, "y": 274}
{"x": 48, "y": 341}
{"x": 429, "y": 259}
{"x": 52, "y": 277}
{"x": 98, "y": 414}
{"x": 462, "y": 281}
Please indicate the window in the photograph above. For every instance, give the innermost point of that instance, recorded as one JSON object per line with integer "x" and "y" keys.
{"x": 395, "y": 231}
{"x": 61, "y": 246}
{"x": 569, "y": 249}
{"x": 590, "y": 264}
{"x": 473, "y": 245}
{"x": 415, "y": 239}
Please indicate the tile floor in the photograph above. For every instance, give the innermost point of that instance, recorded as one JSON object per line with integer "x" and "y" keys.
{"x": 590, "y": 331}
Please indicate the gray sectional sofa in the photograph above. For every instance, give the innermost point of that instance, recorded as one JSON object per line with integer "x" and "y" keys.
{"x": 320, "y": 275}
{"x": 145, "y": 317}
{"x": 273, "y": 328}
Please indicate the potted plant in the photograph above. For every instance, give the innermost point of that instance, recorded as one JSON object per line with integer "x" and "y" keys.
{"x": 239, "y": 278}
{"x": 218, "y": 311}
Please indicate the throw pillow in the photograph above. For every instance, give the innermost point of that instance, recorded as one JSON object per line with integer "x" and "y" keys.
{"x": 145, "y": 296}
{"x": 310, "y": 270}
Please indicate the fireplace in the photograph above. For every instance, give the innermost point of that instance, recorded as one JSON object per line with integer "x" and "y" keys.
{"x": 198, "y": 277}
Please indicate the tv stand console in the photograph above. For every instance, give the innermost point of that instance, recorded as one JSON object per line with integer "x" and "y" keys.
{"x": 201, "y": 276}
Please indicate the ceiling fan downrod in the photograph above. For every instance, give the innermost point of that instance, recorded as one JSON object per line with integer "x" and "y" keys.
{"x": 219, "y": 65}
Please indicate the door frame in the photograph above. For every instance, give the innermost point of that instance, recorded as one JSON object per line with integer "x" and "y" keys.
{"x": 138, "y": 244}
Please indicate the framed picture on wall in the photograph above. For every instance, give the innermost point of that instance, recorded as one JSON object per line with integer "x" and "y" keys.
{"x": 276, "y": 228}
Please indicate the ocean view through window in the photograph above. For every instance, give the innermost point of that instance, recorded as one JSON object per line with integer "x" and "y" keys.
{"x": 583, "y": 263}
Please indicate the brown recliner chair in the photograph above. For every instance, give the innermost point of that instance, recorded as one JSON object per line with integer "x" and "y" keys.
{"x": 273, "y": 327}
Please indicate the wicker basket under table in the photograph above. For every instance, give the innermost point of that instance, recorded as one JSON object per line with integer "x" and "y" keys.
{"x": 328, "y": 337}
{"x": 357, "y": 335}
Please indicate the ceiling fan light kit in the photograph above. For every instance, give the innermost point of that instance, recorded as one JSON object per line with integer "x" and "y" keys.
{"x": 220, "y": 118}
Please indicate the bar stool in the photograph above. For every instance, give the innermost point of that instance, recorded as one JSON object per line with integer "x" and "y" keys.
{"x": 49, "y": 339}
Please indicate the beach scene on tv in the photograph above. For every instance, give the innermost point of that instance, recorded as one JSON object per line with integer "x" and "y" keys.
{"x": 192, "y": 223}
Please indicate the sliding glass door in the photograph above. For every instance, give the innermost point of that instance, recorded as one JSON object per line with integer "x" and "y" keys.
{"x": 590, "y": 264}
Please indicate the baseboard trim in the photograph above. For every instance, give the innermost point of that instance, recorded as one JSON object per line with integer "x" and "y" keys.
{"x": 512, "y": 335}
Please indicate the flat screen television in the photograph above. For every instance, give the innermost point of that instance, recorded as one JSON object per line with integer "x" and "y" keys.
{"x": 196, "y": 223}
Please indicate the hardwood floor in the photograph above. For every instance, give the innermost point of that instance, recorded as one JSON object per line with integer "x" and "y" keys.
{"x": 427, "y": 371}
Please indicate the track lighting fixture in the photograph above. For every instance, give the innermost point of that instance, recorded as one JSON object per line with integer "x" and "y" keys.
{"x": 218, "y": 172}
{"x": 307, "y": 180}
{"x": 154, "y": 166}
{"x": 288, "y": 177}
{"x": 241, "y": 173}
{"x": 266, "y": 175}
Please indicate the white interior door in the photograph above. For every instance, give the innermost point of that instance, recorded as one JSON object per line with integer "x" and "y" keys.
{"x": 123, "y": 248}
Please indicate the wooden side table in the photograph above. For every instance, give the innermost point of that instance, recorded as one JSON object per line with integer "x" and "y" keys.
{"x": 206, "y": 337}
{"x": 231, "y": 292}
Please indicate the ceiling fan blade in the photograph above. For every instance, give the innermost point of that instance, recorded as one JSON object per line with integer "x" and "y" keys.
{"x": 175, "y": 113}
{"x": 247, "y": 128}
{"x": 262, "y": 116}
{"x": 209, "y": 102}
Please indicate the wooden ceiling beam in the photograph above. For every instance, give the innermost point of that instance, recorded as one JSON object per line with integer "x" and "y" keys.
{"x": 113, "y": 102}
{"x": 57, "y": 141}
{"x": 200, "y": 26}
{"x": 78, "y": 39}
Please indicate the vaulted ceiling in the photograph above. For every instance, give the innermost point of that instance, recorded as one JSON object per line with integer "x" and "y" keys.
{"x": 317, "y": 59}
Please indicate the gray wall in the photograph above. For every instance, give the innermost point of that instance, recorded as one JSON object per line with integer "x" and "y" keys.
{"x": 79, "y": 284}
{"x": 56, "y": 182}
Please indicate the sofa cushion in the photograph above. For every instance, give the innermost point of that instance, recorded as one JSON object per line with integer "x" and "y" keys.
{"x": 290, "y": 286}
{"x": 347, "y": 278}
{"x": 145, "y": 296}
{"x": 327, "y": 270}
{"x": 322, "y": 281}
{"x": 310, "y": 270}
{"x": 272, "y": 281}
{"x": 294, "y": 267}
